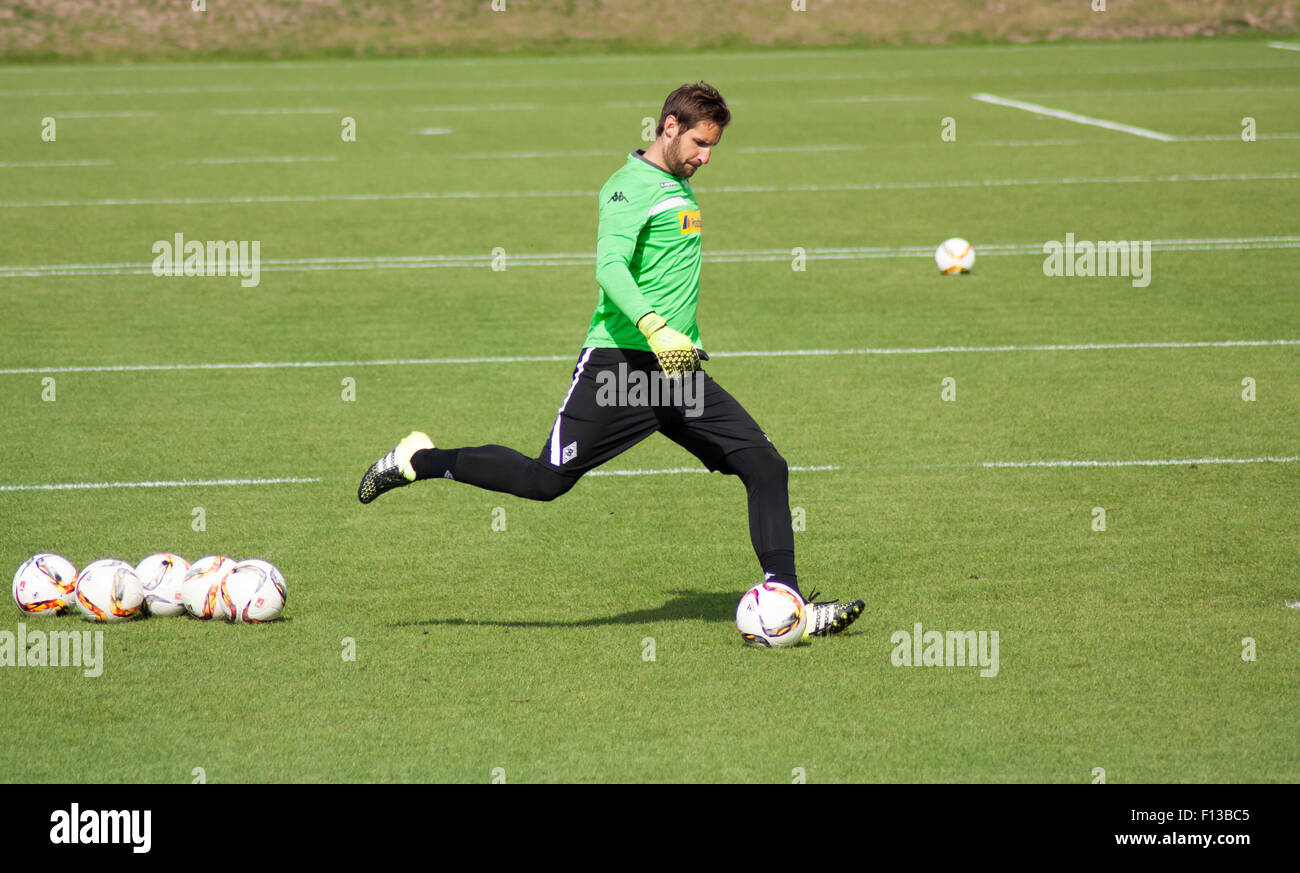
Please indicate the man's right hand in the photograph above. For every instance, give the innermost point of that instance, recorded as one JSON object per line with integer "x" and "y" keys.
{"x": 676, "y": 353}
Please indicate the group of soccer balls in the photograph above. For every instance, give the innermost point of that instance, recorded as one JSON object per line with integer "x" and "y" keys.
{"x": 107, "y": 590}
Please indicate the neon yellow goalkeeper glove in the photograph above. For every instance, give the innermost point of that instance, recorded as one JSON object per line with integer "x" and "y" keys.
{"x": 676, "y": 353}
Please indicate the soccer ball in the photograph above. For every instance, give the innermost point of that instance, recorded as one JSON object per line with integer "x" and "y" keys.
{"x": 254, "y": 592}
{"x": 955, "y": 256}
{"x": 771, "y": 614}
{"x": 108, "y": 590}
{"x": 201, "y": 587}
{"x": 46, "y": 584}
{"x": 162, "y": 575}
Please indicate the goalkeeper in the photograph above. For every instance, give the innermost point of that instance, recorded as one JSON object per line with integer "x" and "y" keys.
{"x": 639, "y": 371}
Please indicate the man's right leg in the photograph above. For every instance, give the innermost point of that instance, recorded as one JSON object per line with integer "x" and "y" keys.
{"x": 495, "y": 468}
{"x": 588, "y": 430}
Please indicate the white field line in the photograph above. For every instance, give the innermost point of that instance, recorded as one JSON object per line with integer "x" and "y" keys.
{"x": 268, "y": 160}
{"x": 564, "y": 60}
{"x": 1158, "y": 462}
{"x": 1164, "y": 462}
{"x": 1071, "y": 116}
{"x": 178, "y": 483}
{"x": 936, "y": 71}
{"x": 1021, "y": 143}
{"x": 482, "y": 107}
{"x": 669, "y": 471}
{"x": 1285, "y": 45}
{"x": 1004, "y": 143}
{"x": 305, "y": 110}
{"x": 572, "y": 259}
{"x": 998, "y": 183}
{"x": 104, "y": 114}
{"x": 765, "y": 353}
{"x": 726, "y": 189}
{"x": 869, "y": 98}
{"x": 11, "y": 164}
{"x": 615, "y": 155}
{"x": 293, "y": 365}
{"x": 594, "y": 153}
{"x": 807, "y": 148}
{"x": 1228, "y": 137}
{"x": 759, "y": 149}
{"x": 1121, "y": 92}
{"x": 937, "y": 350}
{"x": 602, "y": 153}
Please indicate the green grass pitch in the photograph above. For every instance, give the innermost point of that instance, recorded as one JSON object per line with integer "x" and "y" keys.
{"x": 526, "y": 649}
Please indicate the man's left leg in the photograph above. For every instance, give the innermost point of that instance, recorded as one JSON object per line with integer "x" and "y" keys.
{"x": 767, "y": 487}
{"x": 726, "y": 439}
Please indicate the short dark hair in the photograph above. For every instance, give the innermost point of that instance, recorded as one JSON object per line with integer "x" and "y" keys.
{"x": 692, "y": 104}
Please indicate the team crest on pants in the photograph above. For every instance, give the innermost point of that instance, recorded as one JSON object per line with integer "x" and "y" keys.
{"x": 570, "y": 452}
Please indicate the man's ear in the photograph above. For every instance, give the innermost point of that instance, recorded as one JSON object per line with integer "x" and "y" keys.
{"x": 671, "y": 127}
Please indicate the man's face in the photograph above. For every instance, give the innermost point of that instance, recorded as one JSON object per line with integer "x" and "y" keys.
{"x": 689, "y": 150}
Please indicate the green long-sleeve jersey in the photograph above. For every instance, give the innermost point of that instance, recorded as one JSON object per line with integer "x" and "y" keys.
{"x": 647, "y": 255}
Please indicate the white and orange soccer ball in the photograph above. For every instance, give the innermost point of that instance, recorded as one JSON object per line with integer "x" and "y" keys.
{"x": 772, "y": 615}
{"x": 254, "y": 592}
{"x": 162, "y": 576}
{"x": 201, "y": 587}
{"x": 46, "y": 584}
{"x": 954, "y": 256}
{"x": 108, "y": 590}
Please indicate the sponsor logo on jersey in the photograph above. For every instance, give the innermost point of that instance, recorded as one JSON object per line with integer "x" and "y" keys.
{"x": 670, "y": 183}
{"x": 688, "y": 221}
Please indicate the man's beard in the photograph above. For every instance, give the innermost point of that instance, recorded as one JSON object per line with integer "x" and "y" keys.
{"x": 673, "y": 158}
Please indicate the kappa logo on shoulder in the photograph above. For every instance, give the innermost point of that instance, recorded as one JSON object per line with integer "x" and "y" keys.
{"x": 616, "y": 197}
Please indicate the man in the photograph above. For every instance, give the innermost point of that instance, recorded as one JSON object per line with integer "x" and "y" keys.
{"x": 639, "y": 371}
